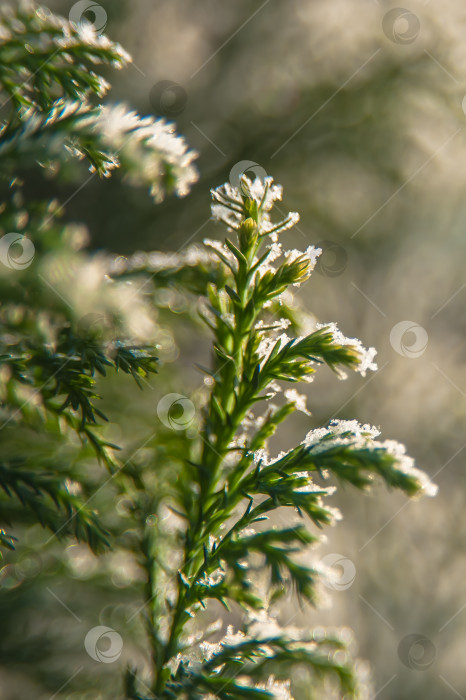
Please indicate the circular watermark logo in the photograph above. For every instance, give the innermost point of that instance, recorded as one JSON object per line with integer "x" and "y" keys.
{"x": 417, "y": 652}
{"x": 95, "y": 322}
{"x": 88, "y": 7}
{"x": 401, "y": 26}
{"x": 246, "y": 167}
{"x": 409, "y": 339}
{"x": 333, "y": 259}
{"x": 16, "y": 251}
{"x": 29, "y": 565}
{"x": 341, "y": 572}
{"x": 105, "y": 652}
{"x": 176, "y": 411}
{"x": 167, "y": 98}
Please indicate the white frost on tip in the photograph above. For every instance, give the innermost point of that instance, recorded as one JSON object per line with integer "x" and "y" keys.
{"x": 224, "y": 251}
{"x": 274, "y": 252}
{"x": 279, "y": 689}
{"x": 258, "y": 189}
{"x": 298, "y": 399}
{"x": 312, "y": 486}
{"x": 265, "y": 347}
{"x": 312, "y": 253}
{"x": 208, "y": 649}
{"x": 73, "y": 487}
{"x": 149, "y": 147}
{"x": 262, "y": 457}
{"x": 352, "y": 433}
{"x": 151, "y": 143}
{"x": 332, "y": 512}
{"x": 281, "y": 325}
{"x": 240, "y": 441}
{"x": 214, "y": 578}
{"x": 251, "y": 421}
{"x": 283, "y": 338}
{"x": 262, "y": 626}
{"x": 366, "y": 355}
{"x": 335, "y": 514}
{"x": 228, "y": 205}
{"x": 343, "y": 431}
{"x": 232, "y": 638}
{"x": 273, "y": 229}
{"x": 158, "y": 261}
{"x": 275, "y": 387}
{"x": 267, "y": 344}
{"x": 406, "y": 465}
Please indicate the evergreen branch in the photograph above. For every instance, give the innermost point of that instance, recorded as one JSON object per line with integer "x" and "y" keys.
{"x": 68, "y": 372}
{"x": 44, "y": 57}
{"x": 247, "y": 363}
{"x": 352, "y": 453}
{"x": 253, "y": 658}
{"x": 49, "y": 500}
{"x": 149, "y": 151}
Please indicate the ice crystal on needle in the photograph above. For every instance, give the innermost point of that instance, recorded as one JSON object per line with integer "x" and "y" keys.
{"x": 366, "y": 355}
{"x": 153, "y": 143}
{"x": 395, "y": 464}
{"x": 229, "y": 202}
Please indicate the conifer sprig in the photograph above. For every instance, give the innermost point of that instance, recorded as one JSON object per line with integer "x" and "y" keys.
{"x": 238, "y": 485}
{"x": 59, "y": 329}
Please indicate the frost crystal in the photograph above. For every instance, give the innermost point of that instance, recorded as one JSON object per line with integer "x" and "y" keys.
{"x": 274, "y": 252}
{"x": 312, "y": 253}
{"x": 261, "y": 457}
{"x": 298, "y": 399}
{"x": 209, "y": 649}
{"x": 157, "y": 261}
{"x": 152, "y": 152}
{"x": 231, "y": 638}
{"x": 406, "y": 466}
{"x": 262, "y": 626}
{"x": 366, "y": 355}
{"x": 280, "y": 689}
{"x": 351, "y": 433}
{"x": 265, "y": 347}
{"x": 345, "y": 431}
{"x": 229, "y": 200}
{"x": 281, "y": 325}
{"x": 151, "y": 143}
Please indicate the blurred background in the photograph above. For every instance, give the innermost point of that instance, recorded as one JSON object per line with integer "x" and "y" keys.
{"x": 356, "y": 108}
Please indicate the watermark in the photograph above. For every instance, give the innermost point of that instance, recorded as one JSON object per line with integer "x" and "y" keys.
{"x": 16, "y": 251}
{"x": 341, "y": 572}
{"x": 95, "y": 322}
{"x": 246, "y": 167}
{"x": 168, "y": 99}
{"x": 333, "y": 259}
{"x": 111, "y": 650}
{"x": 176, "y": 411}
{"x": 417, "y": 652}
{"x": 401, "y": 26}
{"x": 463, "y": 104}
{"x": 409, "y": 339}
{"x": 88, "y": 7}
{"x": 29, "y": 565}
